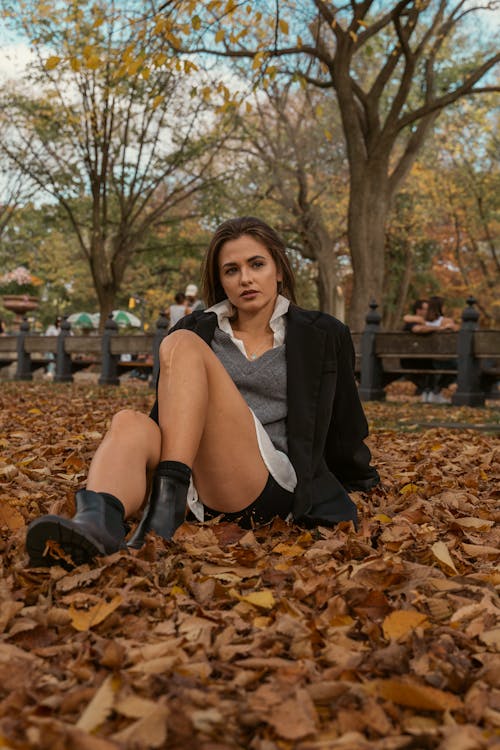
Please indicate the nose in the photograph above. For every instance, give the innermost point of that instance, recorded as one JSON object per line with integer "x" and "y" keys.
{"x": 246, "y": 275}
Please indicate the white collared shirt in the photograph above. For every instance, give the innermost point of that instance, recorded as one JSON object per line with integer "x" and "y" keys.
{"x": 225, "y": 311}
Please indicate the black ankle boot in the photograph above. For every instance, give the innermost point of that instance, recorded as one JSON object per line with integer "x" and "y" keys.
{"x": 97, "y": 528}
{"x": 165, "y": 511}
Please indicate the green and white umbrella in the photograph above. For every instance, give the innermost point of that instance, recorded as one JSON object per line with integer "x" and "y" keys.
{"x": 126, "y": 319}
{"x": 82, "y": 320}
{"x": 123, "y": 318}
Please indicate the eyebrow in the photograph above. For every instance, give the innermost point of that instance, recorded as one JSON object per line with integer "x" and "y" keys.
{"x": 248, "y": 260}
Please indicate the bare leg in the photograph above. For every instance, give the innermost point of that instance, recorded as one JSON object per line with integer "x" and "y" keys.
{"x": 206, "y": 424}
{"x": 119, "y": 466}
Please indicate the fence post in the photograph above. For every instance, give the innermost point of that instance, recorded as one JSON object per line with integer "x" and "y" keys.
{"x": 469, "y": 391}
{"x": 64, "y": 372}
{"x": 23, "y": 370}
{"x": 371, "y": 381}
{"x": 109, "y": 365}
{"x": 160, "y": 333}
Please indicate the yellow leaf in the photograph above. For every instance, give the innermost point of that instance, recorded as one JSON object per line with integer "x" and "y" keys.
{"x": 248, "y": 107}
{"x": 177, "y": 591}
{"x": 408, "y": 488}
{"x": 299, "y": 41}
{"x": 100, "y": 706}
{"x": 414, "y": 695}
{"x": 159, "y": 59}
{"x": 283, "y": 26}
{"x": 401, "y": 622}
{"x": 86, "y": 619}
{"x": 261, "y": 622}
{"x": 263, "y": 599}
{"x": 34, "y": 411}
{"x": 75, "y": 64}
{"x": 257, "y": 61}
{"x": 220, "y": 35}
{"x": 342, "y": 621}
{"x": 196, "y": 22}
{"x": 353, "y": 36}
{"x": 158, "y": 100}
{"x": 440, "y": 552}
{"x": 382, "y": 518}
{"x": 93, "y": 62}
{"x": 288, "y": 550}
{"x": 52, "y": 62}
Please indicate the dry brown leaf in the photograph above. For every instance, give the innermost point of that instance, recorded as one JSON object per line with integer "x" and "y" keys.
{"x": 85, "y": 619}
{"x": 414, "y": 695}
{"x": 401, "y": 622}
{"x": 100, "y": 706}
{"x": 441, "y": 553}
{"x": 10, "y": 518}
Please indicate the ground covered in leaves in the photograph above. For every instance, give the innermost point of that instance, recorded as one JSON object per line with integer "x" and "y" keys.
{"x": 267, "y": 640}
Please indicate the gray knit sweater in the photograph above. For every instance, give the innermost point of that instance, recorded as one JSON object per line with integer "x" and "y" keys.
{"x": 261, "y": 382}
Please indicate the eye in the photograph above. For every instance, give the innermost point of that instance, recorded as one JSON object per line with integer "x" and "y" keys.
{"x": 257, "y": 263}
{"x": 230, "y": 271}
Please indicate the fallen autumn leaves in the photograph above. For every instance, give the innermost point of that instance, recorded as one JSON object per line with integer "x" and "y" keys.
{"x": 278, "y": 638}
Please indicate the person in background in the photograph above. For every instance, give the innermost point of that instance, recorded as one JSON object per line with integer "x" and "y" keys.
{"x": 412, "y": 321}
{"x": 54, "y": 329}
{"x": 257, "y": 416}
{"x": 178, "y": 310}
{"x": 192, "y": 300}
{"x": 427, "y": 318}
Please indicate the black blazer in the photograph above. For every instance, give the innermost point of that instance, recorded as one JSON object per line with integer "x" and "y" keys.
{"x": 326, "y": 425}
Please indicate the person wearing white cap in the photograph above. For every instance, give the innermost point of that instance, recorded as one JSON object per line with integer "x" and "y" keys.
{"x": 192, "y": 300}
{"x": 257, "y": 415}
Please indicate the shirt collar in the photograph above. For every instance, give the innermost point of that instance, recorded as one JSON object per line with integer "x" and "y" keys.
{"x": 225, "y": 310}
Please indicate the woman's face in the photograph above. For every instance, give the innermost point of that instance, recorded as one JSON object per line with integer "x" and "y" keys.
{"x": 248, "y": 274}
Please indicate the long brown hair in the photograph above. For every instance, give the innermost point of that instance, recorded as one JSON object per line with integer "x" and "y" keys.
{"x": 232, "y": 229}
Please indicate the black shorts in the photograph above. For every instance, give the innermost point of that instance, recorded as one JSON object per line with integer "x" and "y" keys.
{"x": 272, "y": 501}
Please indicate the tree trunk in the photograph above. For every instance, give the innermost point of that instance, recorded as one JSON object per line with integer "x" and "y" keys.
{"x": 368, "y": 210}
{"x": 330, "y": 294}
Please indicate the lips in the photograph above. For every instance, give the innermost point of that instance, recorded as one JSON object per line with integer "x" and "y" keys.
{"x": 249, "y": 293}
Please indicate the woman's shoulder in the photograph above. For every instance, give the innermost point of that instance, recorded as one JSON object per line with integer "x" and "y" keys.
{"x": 317, "y": 318}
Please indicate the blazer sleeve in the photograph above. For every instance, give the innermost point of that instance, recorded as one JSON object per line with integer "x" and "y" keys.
{"x": 346, "y": 454}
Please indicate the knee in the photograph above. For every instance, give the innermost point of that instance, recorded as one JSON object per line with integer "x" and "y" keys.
{"x": 177, "y": 343}
{"x": 129, "y": 425}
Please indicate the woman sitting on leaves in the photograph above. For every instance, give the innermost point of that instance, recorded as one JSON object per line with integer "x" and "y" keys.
{"x": 257, "y": 415}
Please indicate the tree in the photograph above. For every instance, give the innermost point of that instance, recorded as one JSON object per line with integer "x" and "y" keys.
{"x": 284, "y": 158}
{"x": 106, "y": 125}
{"x": 393, "y": 69}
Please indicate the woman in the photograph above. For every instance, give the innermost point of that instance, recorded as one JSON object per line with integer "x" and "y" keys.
{"x": 294, "y": 452}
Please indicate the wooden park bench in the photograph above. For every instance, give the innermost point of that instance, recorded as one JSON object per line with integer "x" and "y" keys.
{"x": 471, "y": 355}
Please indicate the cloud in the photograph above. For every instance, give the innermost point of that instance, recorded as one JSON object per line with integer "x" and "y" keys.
{"x": 14, "y": 59}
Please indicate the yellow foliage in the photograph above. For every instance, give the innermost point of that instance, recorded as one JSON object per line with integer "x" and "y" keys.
{"x": 196, "y": 22}
{"x": 93, "y": 62}
{"x": 283, "y": 26}
{"x": 158, "y": 100}
{"x": 159, "y": 59}
{"x": 353, "y": 36}
{"x": 75, "y": 64}
{"x": 190, "y": 66}
{"x": 52, "y": 62}
{"x": 220, "y": 35}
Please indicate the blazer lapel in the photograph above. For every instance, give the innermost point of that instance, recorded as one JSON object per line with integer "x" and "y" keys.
{"x": 205, "y": 326}
{"x": 305, "y": 351}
